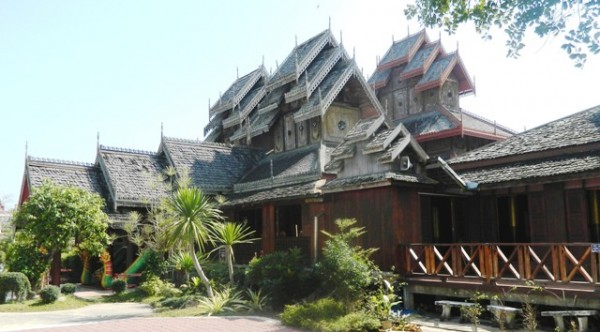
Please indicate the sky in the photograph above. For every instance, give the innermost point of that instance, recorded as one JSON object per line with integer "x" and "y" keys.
{"x": 71, "y": 71}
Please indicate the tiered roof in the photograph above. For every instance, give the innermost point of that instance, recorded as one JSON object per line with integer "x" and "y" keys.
{"x": 313, "y": 74}
{"x": 415, "y": 55}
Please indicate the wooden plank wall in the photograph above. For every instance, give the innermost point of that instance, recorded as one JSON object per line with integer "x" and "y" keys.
{"x": 390, "y": 216}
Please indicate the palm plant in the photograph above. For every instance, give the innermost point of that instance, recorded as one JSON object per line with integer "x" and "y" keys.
{"x": 228, "y": 234}
{"x": 191, "y": 213}
{"x": 184, "y": 262}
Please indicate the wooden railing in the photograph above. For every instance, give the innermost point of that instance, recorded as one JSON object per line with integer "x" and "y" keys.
{"x": 552, "y": 262}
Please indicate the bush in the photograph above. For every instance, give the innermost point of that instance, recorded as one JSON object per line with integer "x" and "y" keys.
{"x": 15, "y": 282}
{"x": 353, "y": 322}
{"x": 345, "y": 270}
{"x": 26, "y": 257}
{"x": 155, "y": 286}
{"x": 328, "y": 315}
{"x": 119, "y": 286}
{"x": 68, "y": 288}
{"x": 50, "y": 294}
{"x": 218, "y": 273}
{"x": 312, "y": 316}
{"x": 282, "y": 276}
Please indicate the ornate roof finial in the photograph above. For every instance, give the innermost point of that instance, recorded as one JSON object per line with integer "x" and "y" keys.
{"x": 98, "y": 140}
{"x": 393, "y": 41}
{"x": 296, "y": 40}
{"x": 341, "y": 38}
{"x": 220, "y": 97}
{"x": 26, "y": 149}
{"x": 276, "y": 65}
{"x": 407, "y": 30}
{"x": 353, "y": 52}
{"x": 263, "y": 61}
{"x": 474, "y": 85}
{"x": 440, "y": 36}
{"x": 237, "y": 72}
{"x": 209, "y": 103}
{"x": 329, "y": 23}
{"x": 162, "y": 130}
{"x": 457, "y": 46}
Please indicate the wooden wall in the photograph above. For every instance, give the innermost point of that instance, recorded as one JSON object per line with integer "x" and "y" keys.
{"x": 390, "y": 216}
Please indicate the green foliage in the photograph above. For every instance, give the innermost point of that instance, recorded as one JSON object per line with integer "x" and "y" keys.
{"x": 380, "y": 303}
{"x": 312, "y": 316}
{"x": 68, "y": 288}
{"x": 473, "y": 313}
{"x": 218, "y": 273}
{"x": 49, "y": 294}
{"x": 282, "y": 276}
{"x": 190, "y": 213}
{"x": 576, "y": 20}
{"x": 26, "y": 257}
{"x": 156, "y": 286}
{"x": 345, "y": 270}
{"x": 257, "y": 301}
{"x": 58, "y": 217}
{"x": 180, "y": 302}
{"x": 354, "y": 322}
{"x": 156, "y": 265}
{"x": 119, "y": 286}
{"x": 226, "y": 235}
{"x": 227, "y": 300}
{"x": 15, "y": 282}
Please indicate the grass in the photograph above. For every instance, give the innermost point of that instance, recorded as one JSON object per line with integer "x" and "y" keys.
{"x": 64, "y": 303}
{"x": 135, "y": 295}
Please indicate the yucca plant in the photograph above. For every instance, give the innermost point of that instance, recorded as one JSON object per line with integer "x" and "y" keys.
{"x": 191, "y": 214}
{"x": 183, "y": 261}
{"x": 256, "y": 300}
{"x": 227, "y": 300}
{"x": 228, "y": 234}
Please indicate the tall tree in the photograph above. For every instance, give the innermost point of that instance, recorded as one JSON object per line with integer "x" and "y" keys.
{"x": 576, "y": 20}
{"x": 192, "y": 212}
{"x": 57, "y": 218}
{"x": 228, "y": 234}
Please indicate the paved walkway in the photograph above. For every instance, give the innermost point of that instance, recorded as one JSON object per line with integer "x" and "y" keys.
{"x": 132, "y": 317}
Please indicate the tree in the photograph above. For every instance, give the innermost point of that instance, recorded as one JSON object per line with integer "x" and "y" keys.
{"x": 228, "y": 234}
{"x": 344, "y": 269}
{"x": 191, "y": 213}
{"x": 577, "y": 20}
{"x": 57, "y": 218}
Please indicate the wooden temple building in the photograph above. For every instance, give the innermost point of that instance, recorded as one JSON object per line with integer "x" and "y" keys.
{"x": 454, "y": 202}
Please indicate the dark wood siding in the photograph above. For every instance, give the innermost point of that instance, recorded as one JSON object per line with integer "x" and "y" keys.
{"x": 577, "y": 218}
{"x": 389, "y": 214}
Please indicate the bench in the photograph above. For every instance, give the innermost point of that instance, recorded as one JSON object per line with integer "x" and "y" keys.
{"x": 448, "y": 305}
{"x": 504, "y": 315}
{"x": 582, "y": 317}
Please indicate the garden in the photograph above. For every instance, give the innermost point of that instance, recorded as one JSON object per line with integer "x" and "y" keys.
{"x": 189, "y": 251}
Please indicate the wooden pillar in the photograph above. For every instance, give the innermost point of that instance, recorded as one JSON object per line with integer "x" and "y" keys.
{"x": 55, "y": 269}
{"x": 268, "y": 228}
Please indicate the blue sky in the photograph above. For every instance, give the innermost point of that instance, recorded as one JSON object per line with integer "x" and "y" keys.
{"x": 71, "y": 69}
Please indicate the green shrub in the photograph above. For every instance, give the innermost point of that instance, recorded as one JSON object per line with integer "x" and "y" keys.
{"x": 353, "y": 322}
{"x": 227, "y": 300}
{"x": 49, "y": 294}
{"x": 119, "y": 286}
{"x": 312, "y": 316}
{"x": 15, "y": 282}
{"x": 180, "y": 302}
{"x": 345, "y": 270}
{"x": 68, "y": 288}
{"x": 25, "y": 256}
{"x": 155, "y": 286}
{"x": 282, "y": 276}
{"x": 218, "y": 273}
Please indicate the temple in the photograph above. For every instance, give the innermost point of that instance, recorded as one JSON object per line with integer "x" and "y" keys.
{"x": 453, "y": 201}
